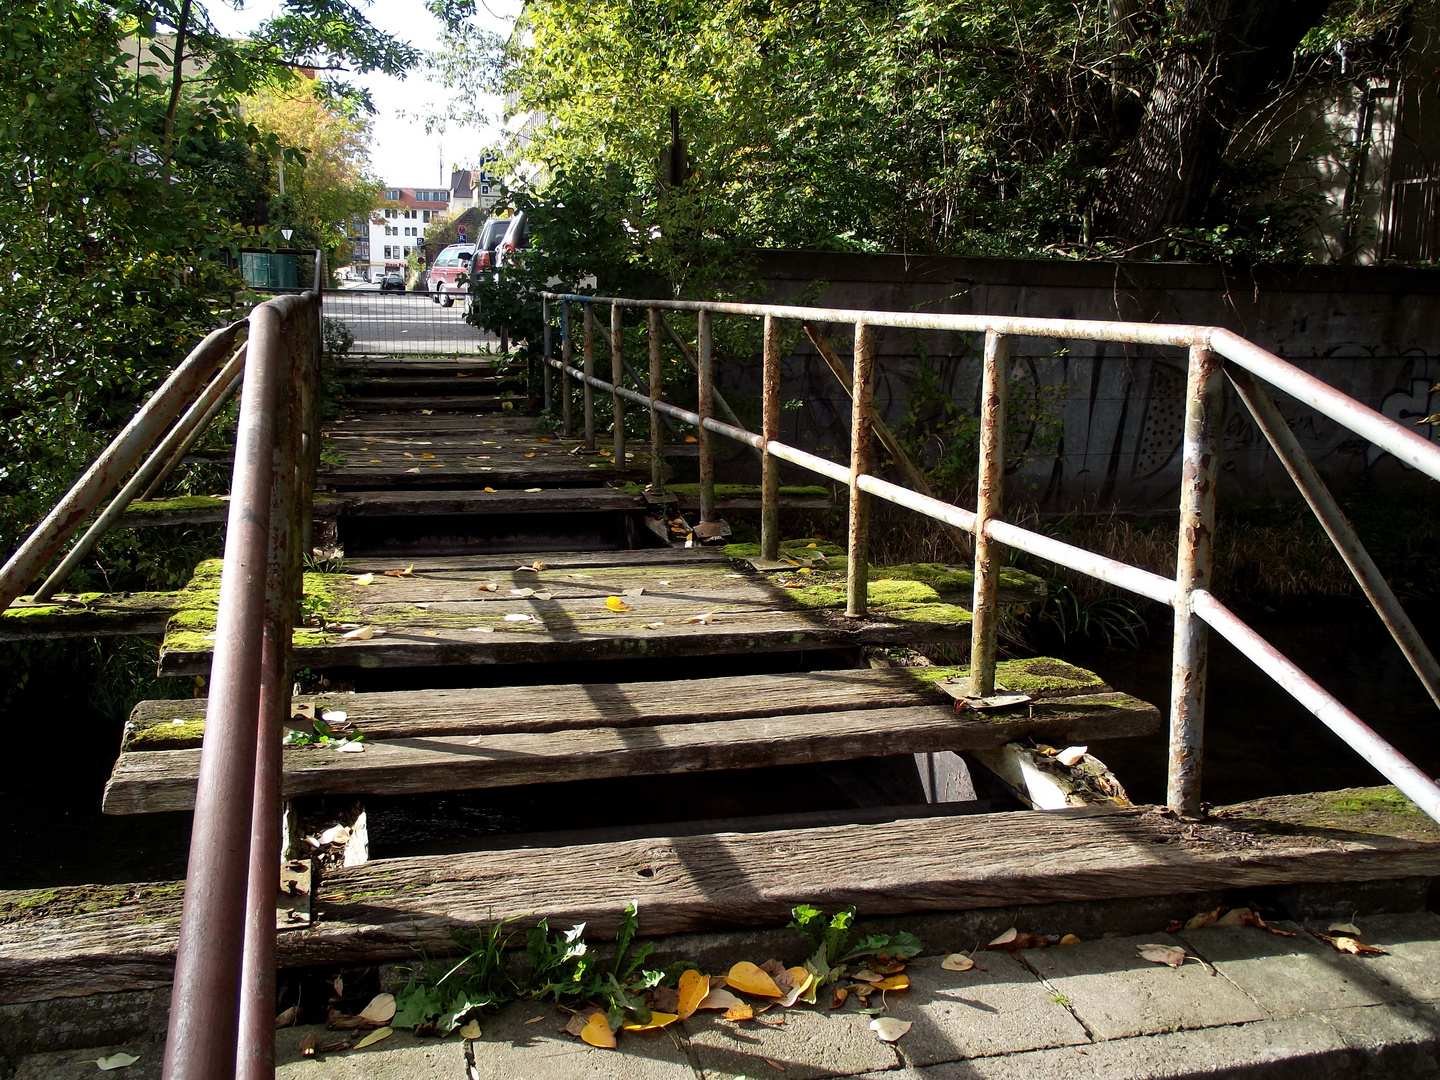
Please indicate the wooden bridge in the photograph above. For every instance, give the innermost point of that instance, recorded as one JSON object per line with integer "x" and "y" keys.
{"x": 525, "y": 610}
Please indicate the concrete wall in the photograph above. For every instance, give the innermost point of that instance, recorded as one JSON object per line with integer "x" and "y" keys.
{"x": 1117, "y": 410}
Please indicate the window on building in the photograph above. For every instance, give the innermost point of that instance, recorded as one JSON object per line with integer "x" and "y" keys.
{"x": 392, "y": 194}
{"x": 387, "y": 251}
{"x": 407, "y": 252}
{"x": 427, "y": 215}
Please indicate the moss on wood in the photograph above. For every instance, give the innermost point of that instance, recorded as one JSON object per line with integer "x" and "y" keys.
{"x": 23, "y": 905}
{"x": 181, "y": 504}
{"x": 1039, "y": 676}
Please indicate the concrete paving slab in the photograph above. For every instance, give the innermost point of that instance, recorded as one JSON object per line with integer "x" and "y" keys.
{"x": 1116, "y": 994}
{"x": 399, "y": 1057}
{"x": 509, "y": 1048}
{"x": 966, "y": 1014}
{"x": 80, "y": 1064}
{"x": 1286, "y": 976}
{"x": 806, "y": 1045}
{"x": 1299, "y": 1049}
{"x": 1412, "y": 968}
{"x": 1394, "y": 1040}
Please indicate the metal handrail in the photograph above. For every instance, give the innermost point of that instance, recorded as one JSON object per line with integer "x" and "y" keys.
{"x": 1187, "y": 593}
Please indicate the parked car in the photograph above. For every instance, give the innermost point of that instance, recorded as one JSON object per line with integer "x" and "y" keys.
{"x": 516, "y": 238}
{"x": 394, "y": 281}
{"x": 446, "y": 270}
{"x": 491, "y": 233}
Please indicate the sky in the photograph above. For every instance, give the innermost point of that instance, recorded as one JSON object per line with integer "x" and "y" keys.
{"x": 401, "y": 153}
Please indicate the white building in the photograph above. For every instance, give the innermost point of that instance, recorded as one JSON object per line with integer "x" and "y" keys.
{"x": 397, "y": 227}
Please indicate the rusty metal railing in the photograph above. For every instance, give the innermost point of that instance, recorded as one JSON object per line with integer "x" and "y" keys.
{"x": 1214, "y": 354}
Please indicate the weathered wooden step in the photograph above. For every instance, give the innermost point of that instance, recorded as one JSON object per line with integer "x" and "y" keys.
{"x": 73, "y": 941}
{"x": 462, "y": 367}
{"x": 648, "y": 603}
{"x": 424, "y": 385}
{"x": 138, "y": 614}
{"x": 467, "y": 403}
{"x": 451, "y": 740}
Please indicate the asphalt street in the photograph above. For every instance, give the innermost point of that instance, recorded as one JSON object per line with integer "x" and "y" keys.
{"x": 396, "y": 324}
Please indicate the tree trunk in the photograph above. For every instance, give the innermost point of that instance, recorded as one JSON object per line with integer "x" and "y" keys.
{"x": 1222, "y": 57}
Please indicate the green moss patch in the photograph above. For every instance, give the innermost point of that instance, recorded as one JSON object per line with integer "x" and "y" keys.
{"x": 1039, "y": 676}
{"x": 796, "y": 549}
{"x": 87, "y": 899}
{"x": 167, "y": 735}
{"x": 180, "y": 505}
{"x": 191, "y": 628}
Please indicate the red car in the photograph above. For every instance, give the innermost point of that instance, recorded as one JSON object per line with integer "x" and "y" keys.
{"x": 445, "y": 271}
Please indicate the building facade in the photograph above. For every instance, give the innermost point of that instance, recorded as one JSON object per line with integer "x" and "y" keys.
{"x": 397, "y": 228}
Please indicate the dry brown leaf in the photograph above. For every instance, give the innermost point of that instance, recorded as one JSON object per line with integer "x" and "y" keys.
{"x": 409, "y": 571}
{"x": 578, "y": 1021}
{"x": 718, "y": 997}
{"x": 1233, "y": 917}
{"x": 705, "y": 618}
{"x": 1171, "y": 955}
{"x": 957, "y": 962}
{"x": 307, "y": 1045}
{"x": 380, "y": 1010}
{"x": 750, "y": 979}
{"x": 1350, "y": 945}
{"x": 664, "y": 999}
{"x": 487, "y": 586}
{"x": 1069, "y": 939}
{"x": 1004, "y": 940}
{"x": 866, "y": 975}
{"x": 415, "y": 469}
{"x": 800, "y": 980}
{"x": 1202, "y": 920}
{"x": 364, "y": 633}
{"x": 288, "y": 1017}
{"x": 740, "y": 1011}
{"x": 1251, "y": 919}
{"x": 888, "y": 1028}
{"x": 1349, "y": 929}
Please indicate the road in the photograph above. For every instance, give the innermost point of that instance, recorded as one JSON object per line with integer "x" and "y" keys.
{"x": 393, "y": 324}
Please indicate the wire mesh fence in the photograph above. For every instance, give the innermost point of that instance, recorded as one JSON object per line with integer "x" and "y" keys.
{"x": 400, "y": 323}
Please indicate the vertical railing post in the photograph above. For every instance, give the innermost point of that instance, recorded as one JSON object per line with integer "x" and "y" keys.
{"x": 857, "y": 579}
{"x": 547, "y": 372}
{"x": 994, "y": 391}
{"x": 567, "y": 360}
{"x": 588, "y": 390}
{"x": 1204, "y": 402}
{"x": 705, "y": 408}
{"x": 770, "y": 427}
{"x": 617, "y": 380}
{"x": 657, "y": 384}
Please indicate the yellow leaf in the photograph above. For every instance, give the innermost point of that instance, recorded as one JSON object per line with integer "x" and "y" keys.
{"x": 894, "y": 982}
{"x": 749, "y": 979}
{"x": 409, "y": 571}
{"x": 741, "y": 1011}
{"x": 532, "y": 454}
{"x": 691, "y": 438}
{"x": 693, "y": 989}
{"x": 427, "y": 412}
{"x": 407, "y": 453}
{"x": 597, "y": 1032}
{"x": 374, "y": 1037}
{"x": 614, "y": 603}
{"x": 657, "y": 1020}
{"x": 364, "y": 579}
{"x": 1069, "y": 939}
{"x": 839, "y": 998}
{"x": 374, "y": 461}
{"x": 491, "y": 490}
{"x": 809, "y": 547}
{"x": 471, "y": 1030}
{"x": 427, "y": 455}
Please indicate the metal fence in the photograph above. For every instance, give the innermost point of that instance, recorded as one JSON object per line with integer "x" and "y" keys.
{"x": 404, "y": 323}
{"x": 1213, "y": 354}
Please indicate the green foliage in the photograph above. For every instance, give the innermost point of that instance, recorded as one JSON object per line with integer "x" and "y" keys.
{"x": 480, "y": 980}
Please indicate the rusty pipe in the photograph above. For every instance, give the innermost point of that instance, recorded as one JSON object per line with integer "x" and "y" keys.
{"x": 588, "y": 347}
{"x": 567, "y": 348}
{"x": 657, "y": 386}
{"x": 1342, "y": 534}
{"x": 862, "y": 405}
{"x": 721, "y": 405}
{"x": 199, "y": 429}
{"x": 117, "y": 459}
{"x": 990, "y": 485}
{"x": 770, "y": 424}
{"x": 706, "y": 401}
{"x": 617, "y": 369}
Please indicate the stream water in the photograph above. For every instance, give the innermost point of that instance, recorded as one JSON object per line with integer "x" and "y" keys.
{"x": 1258, "y": 742}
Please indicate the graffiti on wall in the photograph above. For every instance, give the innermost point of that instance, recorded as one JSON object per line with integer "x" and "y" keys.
{"x": 1407, "y": 404}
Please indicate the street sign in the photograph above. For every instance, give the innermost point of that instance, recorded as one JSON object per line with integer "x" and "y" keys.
{"x": 463, "y": 234}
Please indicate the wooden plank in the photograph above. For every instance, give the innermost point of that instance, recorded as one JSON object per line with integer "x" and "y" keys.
{"x": 165, "y": 780}
{"x": 559, "y": 561}
{"x": 496, "y": 710}
{"x": 88, "y": 615}
{"x": 83, "y": 940}
{"x": 466, "y": 473}
{"x": 505, "y": 501}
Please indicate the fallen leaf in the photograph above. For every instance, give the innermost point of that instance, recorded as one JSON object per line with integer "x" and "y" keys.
{"x": 488, "y": 586}
{"x": 365, "y": 633}
{"x": 614, "y": 603}
{"x": 1249, "y": 918}
{"x": 491, "y": 490}
{"x": 1071, "y": 755}
{"x": 374, "y": 1037}
{"x": 427, "y": 412}
{"x": 1004, "y": 939}
{"x": 471, "y": 1030}
{"x": 287, "y": 1018}
{"x": 768, "y": 1061}
{"x": 1069, "y": 939}
{"x": 307, "y": 1045}
{"x": 657, "y": 1019}
{"x": 597, "y": 1032}
{"x": 664, "y": 999}
{"x": 544, "y": 596}
{"x": 718, "y": 998}
{"x": 1234, "y": 917}
{"x": 800, "y": 983}
{"x": 1347, "y": 944}
{"x": 415, "y": 469}
{"x": 335, "y": 834}
{"x": 1171, "y": 955}
{"x": 894, "y": 982}
{"x": 372, "y": 461}
{"x": 651, "y": 625}
{"x": 706, "y": 618}
{"x": 522, "y": 592}
{"x": 693, "y": 989}
{"x": 838, "y": 998}
{"x": 481, "y": 630}
{"x": 534, "y": 1019}
{"x": 516, "y": 616}
{"x": 121, "y": 1060}
{"x": 380, "y": 1010}
{"x": 740, "y": 1011}
{"x": 749, "y": 979}
{"x": 633, "y": 592}
{"x": 1202, "y": 920}
{"x": 406, "y": 453}
{"x": 531, "y": 491}
{"x": 352, "y": 748}
{"x": 691, "y": 438}
{"x": 888, "y": 1028}
{"x": 866, "y": 975}
{"x": 578, "y": 1020}
{"x": 409, "y": 571}
{"x": 957, "y": 962}
{"x": 364, "y": 579}
{"x": 1349, "y": 929}
{"x": 427, "y": 455}
{"x": 334, "y": 717}
{"x": 627, "y": 1026}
